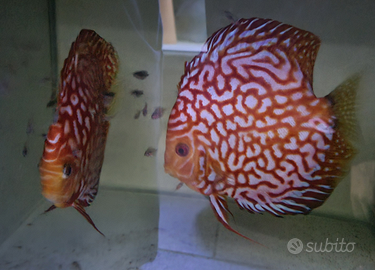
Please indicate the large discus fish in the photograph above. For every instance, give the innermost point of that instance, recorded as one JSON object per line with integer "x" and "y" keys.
{"x": 74, "y": 148}
{"x": 247, "y": 125}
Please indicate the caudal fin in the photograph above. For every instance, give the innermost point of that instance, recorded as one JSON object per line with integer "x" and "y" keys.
{"x": 344, "y": 104}
{"x": 345, "y": 136}
{"x": 82, "y": 211}
{"x": 220, "y": 207}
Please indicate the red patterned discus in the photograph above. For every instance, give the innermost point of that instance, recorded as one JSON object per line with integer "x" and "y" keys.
{"x": 247, "y": 125}
{"x": 74, "y": 148}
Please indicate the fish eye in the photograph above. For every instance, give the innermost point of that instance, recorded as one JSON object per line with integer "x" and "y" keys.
{"x": 182, "y": 149}
{"x": 67, "y": 170}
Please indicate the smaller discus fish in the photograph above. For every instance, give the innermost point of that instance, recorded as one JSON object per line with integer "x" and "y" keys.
{"x": 141, "y": 75}
{"x": 144, "y": 110}
{"x": 137, "y": 114}
{"x": 137, "y": 93}
{"x": 157, "y": 113}
{"x": 150, "y": 152}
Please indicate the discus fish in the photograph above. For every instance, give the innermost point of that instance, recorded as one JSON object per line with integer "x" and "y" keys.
{"x": 247, "y": 125}
{"x": 74, "y": 148}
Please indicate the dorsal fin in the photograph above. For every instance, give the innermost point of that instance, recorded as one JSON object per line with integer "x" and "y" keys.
{"x": 89, "y": 42}
{"x": 256, "y": 34}
{"x": 91, "y": 51}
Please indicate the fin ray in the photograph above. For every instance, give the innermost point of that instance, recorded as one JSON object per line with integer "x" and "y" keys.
{"x": 344, "y": 101}
{"x": 50, "y": 209}
{"x": 220, "y": 207}
{"x": 82, "y": 211}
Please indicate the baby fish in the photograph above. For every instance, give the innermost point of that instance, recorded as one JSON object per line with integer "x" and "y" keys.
{"x": 150, "y": 152}
{"x": 144, "y": 110}
{"x": 159, "y": 111}
{"x": 141, "y": 75}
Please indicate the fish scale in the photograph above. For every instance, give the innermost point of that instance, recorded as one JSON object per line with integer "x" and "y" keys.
{"x": 251, "y": 126}
{"x": 74, "y": 148}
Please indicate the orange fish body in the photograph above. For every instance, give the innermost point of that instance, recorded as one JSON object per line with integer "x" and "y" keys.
{"x": 247, "y": 125}
{"x": 74, "y": 148}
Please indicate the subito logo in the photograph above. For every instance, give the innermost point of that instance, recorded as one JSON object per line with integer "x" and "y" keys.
{"x": 295, "y": 246}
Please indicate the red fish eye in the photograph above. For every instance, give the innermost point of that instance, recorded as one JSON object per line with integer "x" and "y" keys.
{"x": 67, "y": 170}
{"x": 182, "y": 149}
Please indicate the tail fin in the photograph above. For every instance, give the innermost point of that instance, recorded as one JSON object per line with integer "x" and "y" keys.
{"x": 346, "y": 131}
{"x": 82, "y": 211}
{"x": 344, "y": 101}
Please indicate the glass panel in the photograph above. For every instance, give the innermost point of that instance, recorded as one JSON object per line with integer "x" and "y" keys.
{"x": 150, "y": 220}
